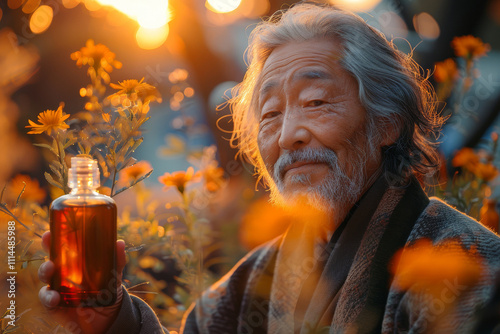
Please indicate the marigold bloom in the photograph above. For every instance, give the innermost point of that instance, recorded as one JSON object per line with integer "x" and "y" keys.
{"x": 178, "y": 179}
{"x": 132, "y": 173}
{"x": 489, "y": 214}
{"x": 96, "y": 56}
{"x": 50, "y": 120}
{"x": 426, "y": 268}
{"x": 469, "y": 47}
{"x": 446, "y": 71}
{"x": 466, "y": 157}
{"x": 485, "y": 171}
{"x": 32, "y": 191}
{"x": 134, "y": 90}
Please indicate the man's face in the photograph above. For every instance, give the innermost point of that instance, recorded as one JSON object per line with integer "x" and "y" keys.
{"x": 312, "y": 132}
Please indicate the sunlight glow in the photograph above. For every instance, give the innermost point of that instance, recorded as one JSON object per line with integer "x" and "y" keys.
{"x": 148, "y": 13}
{"x": 148, "y": 38}
{"x": 222, "y": 6}
{"x": 356, "y": 5}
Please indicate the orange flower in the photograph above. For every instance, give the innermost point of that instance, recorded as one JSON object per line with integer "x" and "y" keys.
{"x": 32, "y": 192}
{"x": 214, "y": 178}
{"x": 485, "y": 171}
{"x": 446, "y": 71}
{"x": 132, "y": 173}
{"x": 96, "y": 56}
{"x": 134, "y": 89}
{"x": 262, "y": 222}
{"x": 466, "y": 157}
{"x": 489, "y": 214}
{"x": 178, "y": 179}
{"x": 425, "y": 268}
{"x": 469, "y": 47}
{"x": 104, "y": 190}
{"x": 49, "y": 120}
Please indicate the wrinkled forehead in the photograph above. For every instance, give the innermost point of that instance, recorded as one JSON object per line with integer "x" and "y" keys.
{"x": 313, "y": 59}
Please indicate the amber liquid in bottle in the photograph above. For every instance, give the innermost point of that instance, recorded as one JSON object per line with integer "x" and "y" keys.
{"x": 83, "y": 246}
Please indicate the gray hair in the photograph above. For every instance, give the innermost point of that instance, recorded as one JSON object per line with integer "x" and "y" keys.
{"x": 392, "y": 89}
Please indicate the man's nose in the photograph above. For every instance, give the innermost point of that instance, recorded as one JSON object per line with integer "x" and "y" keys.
{"x": 295, "y": 133}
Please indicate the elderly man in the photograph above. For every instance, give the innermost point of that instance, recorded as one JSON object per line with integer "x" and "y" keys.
{"x": 335, "y": 118}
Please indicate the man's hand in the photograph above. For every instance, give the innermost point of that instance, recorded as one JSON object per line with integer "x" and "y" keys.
{"x": 80, "y": 319}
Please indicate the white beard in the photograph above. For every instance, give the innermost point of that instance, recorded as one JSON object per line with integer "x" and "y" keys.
{"x": 335, "y": 195}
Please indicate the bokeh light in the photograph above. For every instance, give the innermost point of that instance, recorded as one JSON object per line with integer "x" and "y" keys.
{"x": 392, "y": 25}
{"x": 151, "y": 38}
{"x": 30, "y": 6}
{"x": 222, "y": 6}
{"x": 70, "y": 3}
{"x": 14, "y": 4}
{"x": 92, "y": 5}
{"x": 41, "y": 19}
{"x": 148, "y": 13}
{"x": 426, "y": 26}
{"x": 356, "y": 5}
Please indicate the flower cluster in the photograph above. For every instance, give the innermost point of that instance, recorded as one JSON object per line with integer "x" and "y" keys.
{"x": 447, "y": 73}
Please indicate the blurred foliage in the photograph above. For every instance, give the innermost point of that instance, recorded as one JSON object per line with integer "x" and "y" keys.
{"x": 169, "y": 246}
{"x": 471, "y": 188}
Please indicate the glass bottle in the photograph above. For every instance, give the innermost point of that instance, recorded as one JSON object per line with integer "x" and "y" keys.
{"x": 83, "y": 240}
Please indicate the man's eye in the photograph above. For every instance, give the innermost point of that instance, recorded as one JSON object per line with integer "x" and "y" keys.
{"x": 270, "y": 114}
{"x": 315, "y": 103}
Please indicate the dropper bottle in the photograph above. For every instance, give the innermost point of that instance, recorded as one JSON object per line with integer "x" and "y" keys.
{"x": 83, "y": 240}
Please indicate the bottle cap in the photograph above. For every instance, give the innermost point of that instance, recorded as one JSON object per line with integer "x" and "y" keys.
{"x": 84, "y": 173}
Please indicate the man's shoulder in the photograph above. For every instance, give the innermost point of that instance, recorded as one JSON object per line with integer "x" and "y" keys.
{"x": 440, "y": 221}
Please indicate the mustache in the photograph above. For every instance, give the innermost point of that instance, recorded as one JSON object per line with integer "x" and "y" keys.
{"x": 319, "y": 155}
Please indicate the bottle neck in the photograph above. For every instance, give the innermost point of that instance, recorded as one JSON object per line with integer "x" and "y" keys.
{"x": 83, "y": 191}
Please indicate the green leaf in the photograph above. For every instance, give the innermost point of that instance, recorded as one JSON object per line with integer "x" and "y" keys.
{"x": 145, "y": 176}
{"x": 24, "y": 265}
{"x": 69, "y": 143}
{"x": 56, "y": 170}
{"x": 50, "y": 180}
{"x": 137, "y": 143}
{"x": 45, "y": 146}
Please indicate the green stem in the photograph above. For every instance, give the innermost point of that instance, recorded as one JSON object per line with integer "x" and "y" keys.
{"x": 3, "y": 208}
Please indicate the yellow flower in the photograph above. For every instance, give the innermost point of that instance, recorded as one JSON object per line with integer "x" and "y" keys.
{"x": 134, "y": 90}
{"x": 446, "y": 71}
{"x": 49, "y": 120}
{"x": 96, "y": 56}
{"x": 426, "y": 268}
{"x": 132, "y": 173}
{"x": 466, "y": 157}
{"x": 32, "y": 192}
{"x": 178, "y": 179}
{"x": 469, "y": 47}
